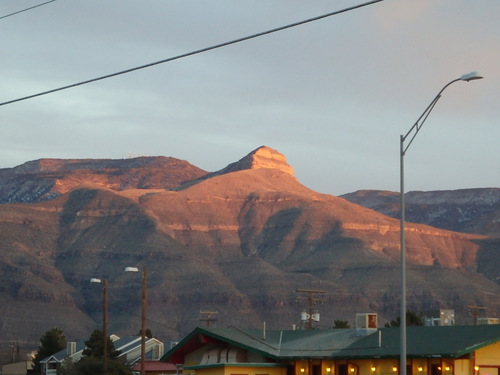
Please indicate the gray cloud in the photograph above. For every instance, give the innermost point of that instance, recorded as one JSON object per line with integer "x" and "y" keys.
{"x": 333, "y": 95}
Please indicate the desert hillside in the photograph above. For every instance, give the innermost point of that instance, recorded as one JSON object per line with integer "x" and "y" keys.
{"x": 239, "y": 241}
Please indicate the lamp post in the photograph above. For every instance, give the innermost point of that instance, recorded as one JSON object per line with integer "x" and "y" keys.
{"x": 104, "y": 283}
{"x": 143, "y": 319}
{"x": 403, "y": 148}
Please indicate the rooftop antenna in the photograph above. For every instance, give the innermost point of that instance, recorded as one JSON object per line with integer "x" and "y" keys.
{"x": 312, "y": 299}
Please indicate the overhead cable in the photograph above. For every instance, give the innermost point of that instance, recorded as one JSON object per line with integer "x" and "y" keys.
{"x": 24, "y": 10}
{"x": 191, "y": 53}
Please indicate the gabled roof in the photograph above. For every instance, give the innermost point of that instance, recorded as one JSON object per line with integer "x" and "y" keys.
{"x": 446, "y": 341}
{"x": 275, "y": 345}
{"x": 62, "y": 354}
{"x": 124, "y": 345}
{"x": 134, "y": 344}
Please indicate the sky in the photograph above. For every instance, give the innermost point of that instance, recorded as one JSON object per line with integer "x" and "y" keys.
{"x": 333, "y": 95}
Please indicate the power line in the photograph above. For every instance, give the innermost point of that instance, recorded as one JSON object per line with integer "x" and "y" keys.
{"x": 312, "y": 299}
{"x": 209, "y": 317}
{"x": 24, "y": 10}
{"x": 192, "y": 53}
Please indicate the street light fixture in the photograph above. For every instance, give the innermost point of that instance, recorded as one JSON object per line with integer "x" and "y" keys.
{"x": 403, "y": 148}
{"x": 143, "y": 319}
{"x": 104, "y": 283}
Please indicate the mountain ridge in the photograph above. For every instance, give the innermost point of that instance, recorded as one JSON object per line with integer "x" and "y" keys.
{"x": 462, "y": 210}
{"x": 239, "y": 241}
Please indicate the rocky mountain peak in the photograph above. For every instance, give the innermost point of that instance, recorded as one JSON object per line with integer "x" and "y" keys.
{"x": 240, "y": 242}
{"x": 262, "y": 157}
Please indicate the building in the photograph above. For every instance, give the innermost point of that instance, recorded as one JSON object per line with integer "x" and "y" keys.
{"x": 129, "y": 347}
{"x": 442, "y": 317}
{"x": 441, "y": 350}
{"x": 488, "y": 321}
{"x": 17, "y": 368}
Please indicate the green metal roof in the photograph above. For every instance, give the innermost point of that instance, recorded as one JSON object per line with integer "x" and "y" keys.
{"x": 447, "y": 341}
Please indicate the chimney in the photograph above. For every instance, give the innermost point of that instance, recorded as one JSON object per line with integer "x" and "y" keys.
{"x": 70, "y": 348}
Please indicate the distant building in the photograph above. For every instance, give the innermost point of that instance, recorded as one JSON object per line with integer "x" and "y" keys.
{"x": 488, "y": 321}
{"x": 440, "y": 317}
{"x": 17, "y": 368}
{"x": 129, "y": 347}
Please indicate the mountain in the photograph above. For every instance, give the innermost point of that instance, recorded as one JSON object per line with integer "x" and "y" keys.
{"x": 240, "y": 241}
{"x": 466, "y": 210}
{"x": 47, "y": 179}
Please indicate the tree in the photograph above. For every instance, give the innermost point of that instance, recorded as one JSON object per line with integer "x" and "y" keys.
{"x": 93, "y": 366}
{"x": 94, "y": 346}
{"x": 412, "y": 319}
{"x": 67, "y": 367}
{"x": 91, "y": 362}
{"x": 341, "y": 324}
{"x": 53, "y": 341}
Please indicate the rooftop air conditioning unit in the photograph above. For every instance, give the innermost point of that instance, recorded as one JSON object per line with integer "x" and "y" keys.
{"x": 366, "y": 323}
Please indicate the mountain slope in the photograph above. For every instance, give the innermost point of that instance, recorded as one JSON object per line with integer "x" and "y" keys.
{"x": 466, "y": 210}
{"x": 239, "y": 241}
{"x": 47, "y": 179}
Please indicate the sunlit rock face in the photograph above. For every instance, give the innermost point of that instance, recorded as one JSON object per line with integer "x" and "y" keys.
{"x": 465, "y": 210}
{"x": 239, "y": 241}
{"x": 263, "y": 157}
{"x": 47, "y": 179}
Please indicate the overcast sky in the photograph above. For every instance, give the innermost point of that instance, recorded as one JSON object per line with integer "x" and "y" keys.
{"x": 333, "y": 95}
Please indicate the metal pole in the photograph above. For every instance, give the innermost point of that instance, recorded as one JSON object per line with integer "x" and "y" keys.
{"x": 402, "y": 326}
{"x": 143, "y": 321}
{"x": 413, "y": 132}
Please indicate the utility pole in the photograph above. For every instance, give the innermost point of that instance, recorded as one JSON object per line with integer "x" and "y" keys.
{"x": 143, "y": 314}
{"x": 208, "y": 317}
{"x": 311, "y": 299}
{"x": 105, "y": 338}
{"x": 475, "y": 312}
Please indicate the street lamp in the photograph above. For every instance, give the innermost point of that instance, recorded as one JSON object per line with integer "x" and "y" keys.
{"x": 143, "y": 319}
{"x": 104, "y": 283}
{"x": 413, "y": 132}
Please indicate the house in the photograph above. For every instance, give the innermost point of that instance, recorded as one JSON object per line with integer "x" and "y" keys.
{"x": 73, "y": 352}
{"x": 129, "y": 348}
{"x": 438, "y": 350}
